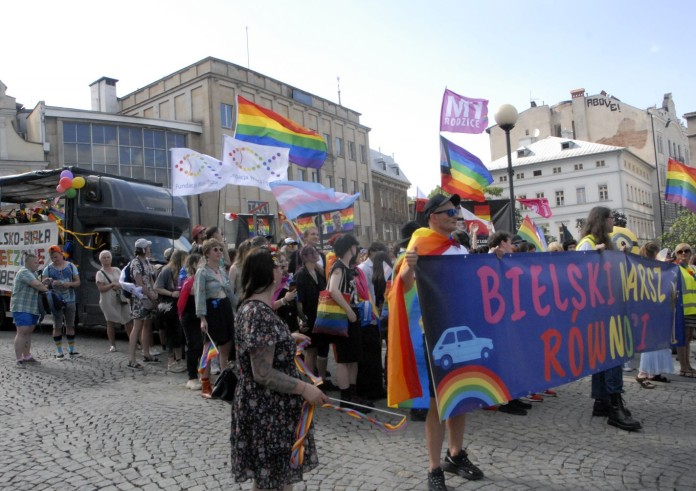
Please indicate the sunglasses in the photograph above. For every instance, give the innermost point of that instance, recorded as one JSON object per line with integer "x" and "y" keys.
{"x": 684, "y": 251}
{"x": 217, "y": 249}
{"x": 450, "y": 212}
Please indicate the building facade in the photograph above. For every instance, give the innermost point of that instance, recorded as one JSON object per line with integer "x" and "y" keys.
{"x": 576, "y": 176}
{"x": 390, "y": 195}
{"x": 654, "y": 135}
{"x": 205, "y": 93}
{"x": 17, "y": 154}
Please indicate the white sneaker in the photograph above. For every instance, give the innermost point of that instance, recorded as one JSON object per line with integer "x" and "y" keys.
{"x": 154, "y": 352}
{"x": 112, "y": 349}
{"x": 193, "y": 384}
{"x": 177, "y": 367}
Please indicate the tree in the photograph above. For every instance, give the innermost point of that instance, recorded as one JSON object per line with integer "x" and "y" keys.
{"x": 683, "y": 230}
{"x": 494, "y": 191}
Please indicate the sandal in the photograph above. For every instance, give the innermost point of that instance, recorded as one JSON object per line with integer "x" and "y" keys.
{"x": 688, "y": 373}
{"x": 645, "y": 383}
{"x": 150, "y": 359}
{"x": 660, "y": 378}
{"x": 135, "y": 366}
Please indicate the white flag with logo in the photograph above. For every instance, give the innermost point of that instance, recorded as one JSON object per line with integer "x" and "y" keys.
{"x": 249, "y": 164}
{"x": 195, "y": 173}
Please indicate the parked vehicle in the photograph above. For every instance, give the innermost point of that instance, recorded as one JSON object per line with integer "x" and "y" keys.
{"x": 109, "y": 212}
{"x": 459, "y": 345}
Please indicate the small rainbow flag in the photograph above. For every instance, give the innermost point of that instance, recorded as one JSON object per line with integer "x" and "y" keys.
{"x": 209, "y": 352}
{"x": 681, "y": 184}
{"x": 530, "y": 232}
{"x": 462, "y": 172}
{"x": 256, "y": 124}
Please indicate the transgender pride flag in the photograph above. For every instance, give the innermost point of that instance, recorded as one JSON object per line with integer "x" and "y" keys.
{"x": 297, "y": 198}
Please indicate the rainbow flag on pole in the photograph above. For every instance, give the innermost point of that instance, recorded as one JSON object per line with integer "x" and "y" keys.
{"x": 531, "y": 233}
{"x": 681, "y": 185}
{"x": 256, "y": 124}
{"x": 462, "y": 172}
{"x": 209, "y": 352}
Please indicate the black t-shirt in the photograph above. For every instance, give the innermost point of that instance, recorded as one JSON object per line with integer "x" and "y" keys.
{"x": 308, "y": 293}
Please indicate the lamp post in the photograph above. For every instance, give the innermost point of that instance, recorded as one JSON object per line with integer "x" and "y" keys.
{"x": 506, "y": 117}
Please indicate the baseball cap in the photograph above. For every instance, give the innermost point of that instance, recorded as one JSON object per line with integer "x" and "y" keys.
{"x": 290, "y": 241}
{"x": 196, "y": 230}
{"x": 438, "y": 200}
{"x": 142, "y": 243}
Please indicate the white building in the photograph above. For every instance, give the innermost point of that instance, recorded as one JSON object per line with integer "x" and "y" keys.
{"x": 576, "y": 176}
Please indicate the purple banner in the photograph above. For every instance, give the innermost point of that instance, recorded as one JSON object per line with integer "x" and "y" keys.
{"x": 461, "y": 114}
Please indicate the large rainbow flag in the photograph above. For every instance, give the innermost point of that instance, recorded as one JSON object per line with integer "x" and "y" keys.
{"x": 256, "y": 124}
{"x": 681, "y": 184}
{"x": 407, "y": 378}
{"x": 532, "y": 234}
{"x": 462, "y": 172}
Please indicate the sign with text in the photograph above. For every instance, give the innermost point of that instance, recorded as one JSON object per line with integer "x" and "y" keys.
{"x": 460, "y": 114}
{"x": 498, "y": 329}
{"x": 15, "y": 240}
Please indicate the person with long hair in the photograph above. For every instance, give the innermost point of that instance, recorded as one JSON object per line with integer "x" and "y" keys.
{"x": 607, "y": 385}
{"x": 169, "y": 289}
{"x": 186, "y": 307}
{"x": 24, "y": 305}
{"x": 214, "y": 298}
{"x": 235, "y": 272}
{"x": 113, "y": 304}
{"x": 269, "y": 395}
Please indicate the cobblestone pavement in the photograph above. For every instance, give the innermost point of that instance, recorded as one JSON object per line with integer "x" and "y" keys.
{"x": 90, "y": 423}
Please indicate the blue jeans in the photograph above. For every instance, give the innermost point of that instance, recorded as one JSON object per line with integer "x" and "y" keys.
{"x": 608, "y": 382}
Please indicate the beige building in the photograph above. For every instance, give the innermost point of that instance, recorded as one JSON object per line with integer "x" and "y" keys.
{"x": 389, "y": 191}
{"x": 205, "y": 93}
{"x": 653, "y": 135}
{"x": 17, "y": 155}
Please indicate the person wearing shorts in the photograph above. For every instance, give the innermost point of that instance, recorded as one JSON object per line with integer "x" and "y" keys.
{"x": 63, "y": 277}
{"x": 24, "y": 305}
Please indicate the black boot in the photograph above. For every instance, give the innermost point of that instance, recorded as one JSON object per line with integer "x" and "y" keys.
{"x": 601, "y": 407}
{"x": 619, "y": 416}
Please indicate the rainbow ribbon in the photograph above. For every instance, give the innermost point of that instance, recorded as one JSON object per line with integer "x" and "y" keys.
{"x": 302, "y": 429}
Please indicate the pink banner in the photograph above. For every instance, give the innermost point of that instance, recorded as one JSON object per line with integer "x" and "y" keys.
{"x": 461, "y": 114}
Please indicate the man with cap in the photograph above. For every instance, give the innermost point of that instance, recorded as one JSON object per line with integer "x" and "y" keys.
{"x": 290, "y": 245}
{"x": 197, "y": 238}
{"x": 441, "y": 213}
{"x": 64, "y": 278}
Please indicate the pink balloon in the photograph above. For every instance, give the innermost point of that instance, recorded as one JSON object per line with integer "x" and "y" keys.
{"x": 66, "y": 182}
{"x": 60, "y": 189}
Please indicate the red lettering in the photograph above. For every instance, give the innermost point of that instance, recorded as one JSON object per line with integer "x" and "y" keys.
{"x": 645, "y": 317}
{"x": 575, "y": 344}
{"x": 561, "y": 305}
{"x": 513, "y": 274}
{"x": 573, "y": 273}
{"x": 537, "y": 291}
{"x": 552, "y": 343}
{"x": 593, "y": 285}
{"x": 596, "y": 343}
{"x": 490, "y": 291}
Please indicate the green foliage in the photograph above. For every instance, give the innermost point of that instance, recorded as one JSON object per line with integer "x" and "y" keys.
{"x": 683, "y": 230}
{"x": 494, "y": 191}
{"x": 438, "y": 190}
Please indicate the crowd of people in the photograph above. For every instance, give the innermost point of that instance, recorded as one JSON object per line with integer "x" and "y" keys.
{"x": 255, "y": 303}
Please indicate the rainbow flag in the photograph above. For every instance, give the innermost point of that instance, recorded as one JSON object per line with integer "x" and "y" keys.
{"x": 339, "y": 221}
{"x": 209, "y": 352}
{"x": 530, "y": 232}
{"x": 681, "y": 184}
{"x": 256, "y": 124}
{"x": 406, "y": 370}
{"x": 462, "y": 172}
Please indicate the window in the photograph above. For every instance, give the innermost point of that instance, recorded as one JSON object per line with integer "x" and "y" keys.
{"x": 560, "y": 198}
{"x": 315, "y": 177}
{"x": 502, "y": 178}
{"x": 556, "y": 170}
{"x": 327, "y": 139}
{"x": 338, "y": 147}
{"x": 226, "y": 115}
{"x": 329, "y": 181}
{"x": 341, "y": 184}
{"x": 537, "y": 173}
{"x": 351, "y": 150}
{"x": 540, "y": 195}
{"x": 603, "y": 192}
{"x": 356, "y": 189}
{"x": 363, "y": 154}
{"x": 366, "y": 192}
{"x": 660, "y": 145}
{"x": 578, "y": 166}
{"x": 302, "y": 174}
{"x": 386, "y": 232}
{"x": 519, "y": 175}
{"x": 580, "y": 195}
{"x": 600, "y": 163}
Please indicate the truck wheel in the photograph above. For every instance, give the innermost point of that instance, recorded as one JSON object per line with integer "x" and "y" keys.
{"x": 446, "y": 362}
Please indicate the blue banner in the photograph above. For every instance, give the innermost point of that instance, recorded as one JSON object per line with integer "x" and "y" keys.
{"x": 498, "y": 329}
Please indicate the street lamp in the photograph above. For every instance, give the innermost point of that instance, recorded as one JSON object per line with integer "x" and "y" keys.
{"x": 506, "y": 117}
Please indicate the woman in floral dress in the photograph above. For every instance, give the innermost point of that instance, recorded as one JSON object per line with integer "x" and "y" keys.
{"x": 269, "y": 394}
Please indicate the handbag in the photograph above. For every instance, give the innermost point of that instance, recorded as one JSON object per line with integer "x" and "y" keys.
{"x": 225, "y": 385}
{"x": 331, "y": 318}
{"x": 121, "y": 296}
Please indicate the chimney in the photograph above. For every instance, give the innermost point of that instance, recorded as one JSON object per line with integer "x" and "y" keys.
{"x": 104, "y": 95}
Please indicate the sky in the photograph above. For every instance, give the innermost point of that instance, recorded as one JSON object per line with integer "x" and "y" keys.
{"x": 394, "y": 57}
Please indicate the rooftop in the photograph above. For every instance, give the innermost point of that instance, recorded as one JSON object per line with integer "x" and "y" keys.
{"x": 386, "y": 166}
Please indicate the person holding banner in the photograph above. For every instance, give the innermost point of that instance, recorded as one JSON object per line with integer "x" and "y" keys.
{"x": 441, "y": 213}
{"x": 607, "y": 385}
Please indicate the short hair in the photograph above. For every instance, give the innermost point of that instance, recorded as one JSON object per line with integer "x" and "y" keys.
{"x": 209, "y": 244}
{"x": 377, "y": 247}
{"x": 555, "y": 247}
{"x": 497, "y": 238}
{"x": 104, "y": 253}
{"x": 210, "y": 231}
{"x": 343, "y": 244}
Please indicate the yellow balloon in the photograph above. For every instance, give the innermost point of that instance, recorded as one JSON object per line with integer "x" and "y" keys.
{"x": 78, "y": 182}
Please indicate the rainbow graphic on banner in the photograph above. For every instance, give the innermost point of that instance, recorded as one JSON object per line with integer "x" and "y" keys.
{"x": 260, "y": 227}
{"x": 304, "y": 223}
{"x": 339, "y": 221}
{"x": 472, "y": 386}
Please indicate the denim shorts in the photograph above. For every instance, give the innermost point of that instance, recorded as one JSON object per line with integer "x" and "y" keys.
{"x": 24, "y": 319}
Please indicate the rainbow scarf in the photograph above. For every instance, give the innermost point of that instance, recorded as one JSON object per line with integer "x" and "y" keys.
{"x": 256, "y": 124}
{"x": 405, "y": 345}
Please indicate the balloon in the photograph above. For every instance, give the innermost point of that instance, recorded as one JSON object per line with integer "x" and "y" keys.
{"x": 60, "y": 189}
{"x": 66, "y": 173}
{"x": 66, "y": 182}
{"x": 78, "y": 182}
{"x": 70, "y": 193}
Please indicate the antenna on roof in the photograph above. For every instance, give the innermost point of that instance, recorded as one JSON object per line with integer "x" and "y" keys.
{"x": 338, "y": 84}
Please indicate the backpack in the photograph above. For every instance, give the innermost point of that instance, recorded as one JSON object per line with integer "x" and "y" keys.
{"x": 50, "y": 302}
{"x": 128, "y": 278}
